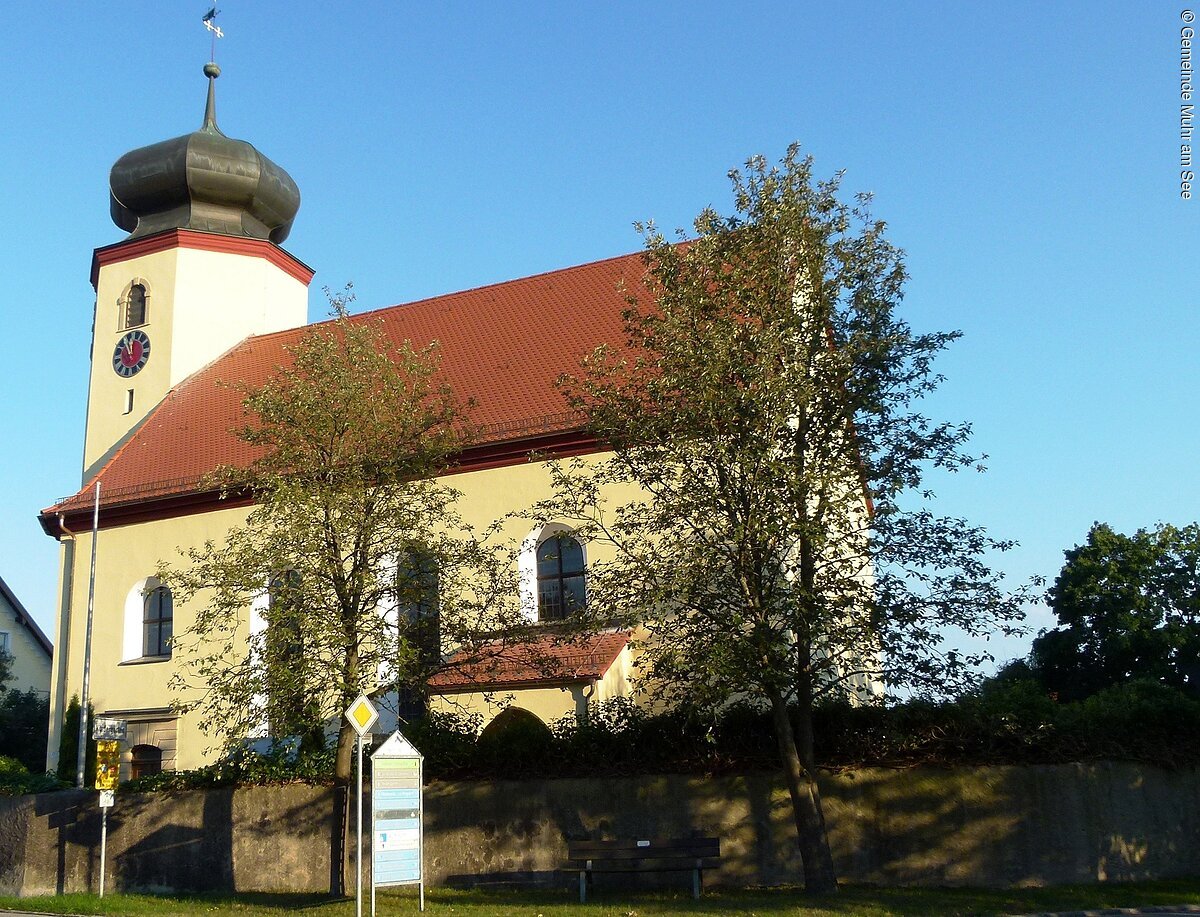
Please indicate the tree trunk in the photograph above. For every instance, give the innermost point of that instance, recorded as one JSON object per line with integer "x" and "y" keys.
{"x": 337, "y": 841}
{"x": 343, "y": 761}
{"x": 805, "y": 747}
{"x": 340, "y": 848}
{"x": 819, "y": 875}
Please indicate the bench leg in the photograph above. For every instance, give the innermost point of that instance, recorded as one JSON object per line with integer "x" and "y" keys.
{"x": 582, "y": 886}
{"x": 696, "y": 883}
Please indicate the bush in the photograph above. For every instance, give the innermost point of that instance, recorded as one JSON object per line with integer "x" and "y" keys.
{"x": 1008, "y": 721}
{"x": 446, "y": 740}
{"x": 516, "y": 744}
{"x": 242, "y": 767}
{"x": 16, "y": 779}
{"x": 24, "y": 723}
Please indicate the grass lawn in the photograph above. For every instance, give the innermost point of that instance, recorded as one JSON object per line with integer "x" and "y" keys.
{"x": 870, "y": 902}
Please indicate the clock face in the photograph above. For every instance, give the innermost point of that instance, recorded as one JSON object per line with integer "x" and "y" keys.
{"x": 133, "y": 350}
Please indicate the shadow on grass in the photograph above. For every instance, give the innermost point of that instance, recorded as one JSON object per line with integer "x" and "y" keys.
{"x": 282, "y": 901}
{"x": 860, "y": 901}
{"x": 134, "y": 903}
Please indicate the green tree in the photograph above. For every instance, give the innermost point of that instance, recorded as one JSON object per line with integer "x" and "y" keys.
{"x": 24, "y": 721}
{"x": 350, "y": 436}
{"x": 765, "y": 406}
{"x": 24, "y": 725}
{"x": 1128, "y": 606}
{"x": 68, "y": 746}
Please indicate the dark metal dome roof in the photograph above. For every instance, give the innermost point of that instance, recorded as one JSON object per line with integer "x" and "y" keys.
{"x": 203, "y": 181}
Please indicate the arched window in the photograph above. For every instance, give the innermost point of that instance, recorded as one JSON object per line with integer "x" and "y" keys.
{"x": 158, "y": 616}
{"x": 560, "y": 570}
{"x": 146, "y": 760}
{"x": 418, "y": 629}
{"x": 288, "y": 701}
{"x": 417, "y": 602}
{"x": 135, "y": 305}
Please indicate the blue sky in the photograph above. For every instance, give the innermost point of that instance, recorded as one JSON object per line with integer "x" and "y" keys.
{"x": 1024, "y": 154}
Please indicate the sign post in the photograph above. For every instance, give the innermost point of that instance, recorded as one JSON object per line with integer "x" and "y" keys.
{"x": 108, "y": 734}
{"x": 362, "y": 716}
{"x": 397, "y": 815}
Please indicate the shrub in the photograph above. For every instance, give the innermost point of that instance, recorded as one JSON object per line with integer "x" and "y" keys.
{"x": 24, "y": 723}
{"x": 1008, "y": 721}
{"x": 16, "y": 779}
{"x": 516, "y": 744}
{"x": 241, "y": 767}
{"x": 446, "y": 740}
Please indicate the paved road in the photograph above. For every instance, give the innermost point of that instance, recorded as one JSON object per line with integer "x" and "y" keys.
{"x": 1162, "y": 910}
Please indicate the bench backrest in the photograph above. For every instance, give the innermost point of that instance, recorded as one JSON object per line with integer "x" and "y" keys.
{"x": 652, "y": 848}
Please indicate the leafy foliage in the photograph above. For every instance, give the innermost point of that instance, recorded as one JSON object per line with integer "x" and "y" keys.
{"x": 766, "y": 407}
{"x": 24, "y": 718}
{"x": 351, "y": 436}
{"x": 17, "y": 780}
{"x": 1013, "y": 723}
{"x": 245, "y": 767}
{"x": 24, "y": 722}
{"x": 1128, "y": 606}
{"x": 447, "y": 740}
{"x": 68, "y": 746}
{"x": 515, "y": 735}
{"x": 1009, "y": 725}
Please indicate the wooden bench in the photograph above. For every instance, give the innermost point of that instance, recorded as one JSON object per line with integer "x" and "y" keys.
{"x": 694, "y": 854}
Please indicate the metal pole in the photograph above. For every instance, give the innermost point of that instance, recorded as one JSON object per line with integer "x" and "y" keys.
{"x": 358, "y": 849}
{"x": 372, "y": 832}
{"x": 421, "y": 830}
{"x": 87, "y": 649}
{"x": 103, "y": 845}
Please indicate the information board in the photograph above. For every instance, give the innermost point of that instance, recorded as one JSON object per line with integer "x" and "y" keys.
{"x": 396, "y": 809}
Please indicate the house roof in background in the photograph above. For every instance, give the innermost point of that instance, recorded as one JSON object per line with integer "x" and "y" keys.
{"x": 23, "y": 617}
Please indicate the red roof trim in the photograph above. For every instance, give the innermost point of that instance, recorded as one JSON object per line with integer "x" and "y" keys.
{"x": 201, "y": 241}
{"x": 140, "y": 507}
{"x": 486, "y": 686}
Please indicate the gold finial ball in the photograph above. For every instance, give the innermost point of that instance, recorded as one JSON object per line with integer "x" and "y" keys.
{"x": 212, "y": 70}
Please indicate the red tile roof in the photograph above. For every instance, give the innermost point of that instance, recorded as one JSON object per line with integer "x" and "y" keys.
{"x": 502, "y": 345}
{"x": 544, "y": 660}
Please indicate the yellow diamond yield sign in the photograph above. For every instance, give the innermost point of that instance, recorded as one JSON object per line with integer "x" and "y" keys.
{"x": 362, "y": 714}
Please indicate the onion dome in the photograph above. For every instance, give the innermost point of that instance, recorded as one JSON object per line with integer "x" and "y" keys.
{"x": 203, "y": 181}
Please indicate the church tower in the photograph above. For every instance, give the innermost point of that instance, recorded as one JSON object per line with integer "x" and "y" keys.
{"x": 200, "y": 270}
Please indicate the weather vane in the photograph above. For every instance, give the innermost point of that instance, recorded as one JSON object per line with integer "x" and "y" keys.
{"x": 210, "y": 23}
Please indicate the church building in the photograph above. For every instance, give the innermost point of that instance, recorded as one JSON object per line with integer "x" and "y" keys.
{"x": 201, "y": 294}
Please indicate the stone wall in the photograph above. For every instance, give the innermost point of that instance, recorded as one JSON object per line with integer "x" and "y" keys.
{"x": 255, "y": 838}
{"x": 965, "y": 826}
